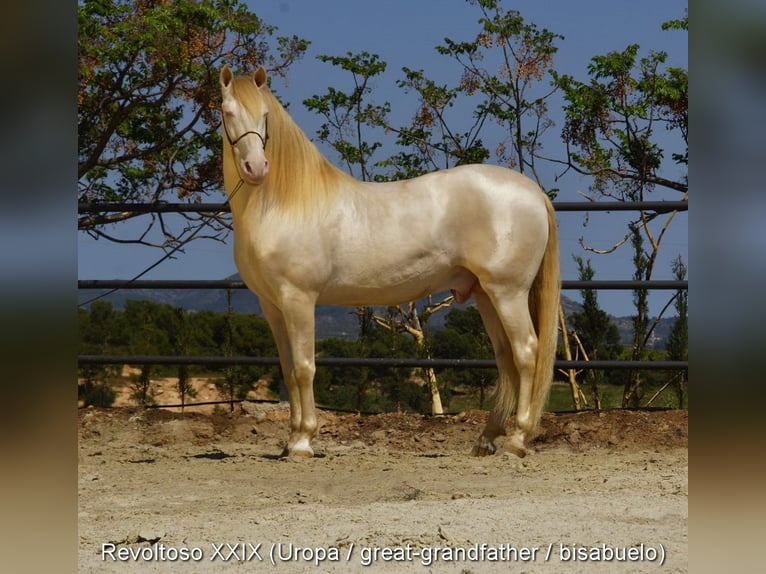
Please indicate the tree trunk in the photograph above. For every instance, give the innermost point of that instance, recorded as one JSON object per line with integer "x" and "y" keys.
{"x": 420, "y": 341}
{"x": 570, "y": 373}
{"x": 409, "y": 322}
{"x": 436, "y": 399}
{"x": 591, "y": 374}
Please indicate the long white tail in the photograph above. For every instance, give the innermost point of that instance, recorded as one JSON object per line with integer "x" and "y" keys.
{"x": 544, "y": 299}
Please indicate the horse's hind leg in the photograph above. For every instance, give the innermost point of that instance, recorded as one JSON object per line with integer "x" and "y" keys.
{"x": 516, "y": 358}
{"x": 507, "y": 381}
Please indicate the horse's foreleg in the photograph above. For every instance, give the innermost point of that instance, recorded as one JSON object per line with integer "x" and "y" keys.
{"x": 278, "y": 329}
{"x": 299, "y": 326}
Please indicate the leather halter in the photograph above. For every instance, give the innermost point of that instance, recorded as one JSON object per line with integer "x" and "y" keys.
{"x": 232, "y": 143}
{"x": 263, "y": 139}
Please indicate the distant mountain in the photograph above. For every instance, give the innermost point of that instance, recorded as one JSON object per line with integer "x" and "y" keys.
{"x": 331, "y": 321}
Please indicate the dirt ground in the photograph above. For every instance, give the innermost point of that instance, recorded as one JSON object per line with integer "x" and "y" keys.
{"x": 162, "y": 492}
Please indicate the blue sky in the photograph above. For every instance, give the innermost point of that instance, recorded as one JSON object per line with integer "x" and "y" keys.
{"x": 405, "y": 33}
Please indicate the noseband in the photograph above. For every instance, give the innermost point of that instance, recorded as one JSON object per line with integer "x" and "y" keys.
{"x": 232, "y": 143}
{"x": 263, "y": 139}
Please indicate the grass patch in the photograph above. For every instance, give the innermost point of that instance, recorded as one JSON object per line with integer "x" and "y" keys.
{"x": 560, "y": 398}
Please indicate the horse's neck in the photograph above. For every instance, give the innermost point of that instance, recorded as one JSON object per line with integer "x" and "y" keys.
{"x": 301, "y": 179}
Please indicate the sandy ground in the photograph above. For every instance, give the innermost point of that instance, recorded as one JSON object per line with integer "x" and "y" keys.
{"x": 159, "y": 492}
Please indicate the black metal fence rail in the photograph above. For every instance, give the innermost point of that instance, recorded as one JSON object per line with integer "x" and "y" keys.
{"x": 216, "y": 360}
{"x": 215, "y": 208}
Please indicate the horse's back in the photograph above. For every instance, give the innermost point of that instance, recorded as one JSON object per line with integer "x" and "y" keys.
{"x": 486, "y": 177}
{"x": 480, "y": 189}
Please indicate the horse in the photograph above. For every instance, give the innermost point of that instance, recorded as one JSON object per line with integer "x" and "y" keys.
{"x": 307, "y": 233}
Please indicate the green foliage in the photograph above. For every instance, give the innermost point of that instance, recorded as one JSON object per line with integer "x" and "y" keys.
{"x": 98, "y": 334}
{"x": 182, "y": 344}
{"x": 560, "y": 398}
{"x": 510, "y": 95}
{"x": 642, "y": 265}
{"x": 613, "y": 122}
{"x": 96, "y": 394}
{"x": 598, "y": 335}
{"x": 682, "y": 24}
{"x": 369, "y": 389}
{"x": 147, "y": 328}
{"x": 505, "y": 64}
{"x": 678, "y": 341}
{"x": 431, "y": 141}
{"x": 347, "y": 114}
{"x": 147, "y": 119}
{"x": 464, "y": 337}
{"x": 148, "y": 129}
{"x": 246, "y": 335}
{"x": 621, "y": 126}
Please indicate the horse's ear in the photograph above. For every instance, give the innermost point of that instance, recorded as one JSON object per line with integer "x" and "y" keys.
{"x": 260, "y": 76}
{"x": 226, "y": 76}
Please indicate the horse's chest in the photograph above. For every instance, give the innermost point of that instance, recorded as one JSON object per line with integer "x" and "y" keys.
{"x": 268, "y": 260}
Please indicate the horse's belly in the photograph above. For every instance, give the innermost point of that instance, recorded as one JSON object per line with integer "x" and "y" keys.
{"x": 401, "y": 290}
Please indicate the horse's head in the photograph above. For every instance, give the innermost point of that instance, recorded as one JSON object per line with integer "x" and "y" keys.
{"x": 245, "y": 123}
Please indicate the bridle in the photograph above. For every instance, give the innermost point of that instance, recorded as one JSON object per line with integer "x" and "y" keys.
{"x": 232, "y": 143}
{"x": 264, "y": 139}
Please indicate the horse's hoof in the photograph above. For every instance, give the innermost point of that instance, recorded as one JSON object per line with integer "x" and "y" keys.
{"x": 521, "y": 452}
{"x": 301, "y": 453}
{"x": 483, "y": 447}
{"x": 516, "y": 446}
{"x": 481, "y": 451}
{"x": 299, "y": 447}
{"x": 295, "y": 452}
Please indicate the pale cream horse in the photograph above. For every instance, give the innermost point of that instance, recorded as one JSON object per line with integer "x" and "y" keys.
{"x": 306, "y": 233}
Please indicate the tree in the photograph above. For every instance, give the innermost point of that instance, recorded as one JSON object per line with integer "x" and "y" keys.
{"x": 97, "y": 330}
{"x": 509, "y": 94}
{"x": 148, "y": 126}
{"x": 407, "y": 319}
{"x": 678, "y": 341}
{"x": 523, "y": 55}
{"x": 464, "y": 337}
{"x": 612, "y": 122}
{"x": 431, "y": 141}
{"x": 246, "y": 335}
{"x": 368, "y": 388}
{"x": 181, "y": 333}
{"x": 144, "y": 322}
{"x": 627, "y": 128}
{"x": 595, "y": 334}
{"x": 345, "y": 388}
{"x": 347, "y": 114}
